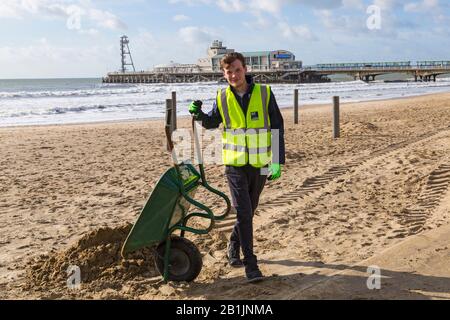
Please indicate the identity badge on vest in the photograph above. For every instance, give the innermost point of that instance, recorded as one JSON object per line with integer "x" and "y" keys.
{"x": 254, "y": 116}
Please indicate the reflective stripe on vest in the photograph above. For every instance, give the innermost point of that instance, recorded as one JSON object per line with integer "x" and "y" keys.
{"x": 246, "y": 138}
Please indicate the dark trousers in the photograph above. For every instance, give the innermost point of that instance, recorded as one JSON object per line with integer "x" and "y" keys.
{"x": 246, "y": 184}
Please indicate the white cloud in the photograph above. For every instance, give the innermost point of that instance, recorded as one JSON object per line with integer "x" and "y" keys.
{"x": 412, "y": 7}
{"x": 180, "y": 17}
{"x": 271, "y": 6}
{"x": 321, "y": 4}
{"x": 42, "y": 58}
{"x": 352, "y": 26}
{"x": 8, "y": 9}
{"x": 253, "y": 6}
{"x": 354, "y": 4}
{"x": 330, "y": 21}
{"x": 295, "y": 32}
{"x": 106, "y": 19}
{"x": 232, "y": 5}
{"x": 197, "y": 36}
{"x": 90, "y": 32}
{"x": 190, "y": 2}
{"x": 77, "y": 10}
{"x": 425, "y": 5}
{"x": 387, "y": 4}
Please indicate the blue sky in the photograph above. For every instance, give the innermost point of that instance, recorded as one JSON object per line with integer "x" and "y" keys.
{"x": 80, "y": 38}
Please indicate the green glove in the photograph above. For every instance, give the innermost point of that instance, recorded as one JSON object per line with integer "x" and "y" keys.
{"x": 195, "y": 108}
{"x": 275, "y": 171}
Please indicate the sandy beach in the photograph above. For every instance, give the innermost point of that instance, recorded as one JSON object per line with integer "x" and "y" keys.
{"x": 377, "y": 196}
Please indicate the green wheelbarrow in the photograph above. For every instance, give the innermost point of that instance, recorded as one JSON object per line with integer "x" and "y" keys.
{"x": 167, "y": 210}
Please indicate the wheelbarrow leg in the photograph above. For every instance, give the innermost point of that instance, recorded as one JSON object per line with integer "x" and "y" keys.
{"x": 166, "y": 260}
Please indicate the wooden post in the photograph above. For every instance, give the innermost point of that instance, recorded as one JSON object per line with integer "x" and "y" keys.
{"x": 169, "y": 120}
{"x": 174, "y": 111}
{"x": 336, "y": 129}
{"x": 296, "y": 106}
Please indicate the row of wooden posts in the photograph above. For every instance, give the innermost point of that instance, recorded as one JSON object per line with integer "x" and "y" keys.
{"x": 336, "y": 112}
{"x": 171, "y": 113}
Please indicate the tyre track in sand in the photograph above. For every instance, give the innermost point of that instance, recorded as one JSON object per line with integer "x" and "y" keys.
{"x": 312, "y": 186}
{"x": 414, "y": 218}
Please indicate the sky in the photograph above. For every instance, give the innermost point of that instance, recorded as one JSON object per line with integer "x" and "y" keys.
{"x": 80, "y": 38}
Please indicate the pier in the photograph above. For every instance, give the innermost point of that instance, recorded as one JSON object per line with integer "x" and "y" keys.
{"x": 278, "y": 66}
{"x": 426, "y": 71}
{"x": 277, "y": 76}
{"x": 421, "y": 70}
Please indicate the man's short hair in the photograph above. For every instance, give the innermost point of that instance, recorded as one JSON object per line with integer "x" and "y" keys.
{"x": 229, "y": 58}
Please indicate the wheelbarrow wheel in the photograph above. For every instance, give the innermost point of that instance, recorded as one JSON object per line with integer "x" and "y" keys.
{"x": 185, "y": 261}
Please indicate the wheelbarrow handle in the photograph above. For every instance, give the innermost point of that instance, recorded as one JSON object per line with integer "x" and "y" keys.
{"x": 223, "y": 196}
{"x": 202, "y": 174}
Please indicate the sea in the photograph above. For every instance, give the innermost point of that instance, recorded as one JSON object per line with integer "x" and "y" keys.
{"x": 67, "y": 101}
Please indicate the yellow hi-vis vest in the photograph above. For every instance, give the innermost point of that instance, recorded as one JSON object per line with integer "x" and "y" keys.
{"x": 246, "y": 138}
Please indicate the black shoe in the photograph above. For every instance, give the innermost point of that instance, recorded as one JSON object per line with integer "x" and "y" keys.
{"x": 235, "y": 262}
{"x": 255, "y": 276}
{"x": 233, "y": 257}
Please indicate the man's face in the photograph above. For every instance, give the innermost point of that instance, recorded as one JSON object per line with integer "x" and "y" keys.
{"x": 234, "y": 73}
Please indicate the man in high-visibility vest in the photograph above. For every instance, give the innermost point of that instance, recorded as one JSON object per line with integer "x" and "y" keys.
{"x": 251, "y": 151}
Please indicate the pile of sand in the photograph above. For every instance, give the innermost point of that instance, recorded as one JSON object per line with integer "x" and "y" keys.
{"x": 97, "y": 254}
{"x": 106, "y": 275}
{"x": 358, "y": 128}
